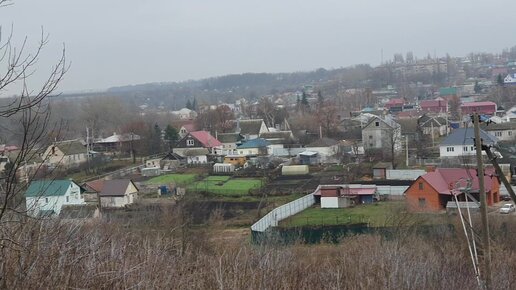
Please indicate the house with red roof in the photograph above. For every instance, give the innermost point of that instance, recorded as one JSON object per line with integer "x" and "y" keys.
{"x": 438, "y": 105}
{"x": 487, "y": 108}
{"x": 197, "y": 144}
{"x": 432, "y": 191}
{"x": 394, "y": 103}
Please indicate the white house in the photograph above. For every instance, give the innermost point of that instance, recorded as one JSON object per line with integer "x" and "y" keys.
{"x": 45, "y": 198}
{"x": 381, "y": 133}
{"x": 185, "y": 114}
{"x": 118, "y": 193}
{"x": 460, "y": 143}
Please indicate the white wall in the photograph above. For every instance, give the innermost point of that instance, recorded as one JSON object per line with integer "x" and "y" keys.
{"x": 55, "y": 203}
{"x": 115, "y": 201}
{"x": 504, "y": 135}
{"x": 457, "y": 150}
{"x": 202, "y": 159}
{"x": 329, "y": 202}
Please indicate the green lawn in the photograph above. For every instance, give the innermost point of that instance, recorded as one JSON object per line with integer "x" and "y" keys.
{"x": 179, "y": 179}
{"x": 223, "y": 185}
{"x": 377, "y": 214}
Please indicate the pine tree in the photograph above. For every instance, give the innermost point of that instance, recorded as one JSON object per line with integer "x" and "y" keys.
{"x": 188, "y": 104}
{"x": 304, "y": 99}
{"x": 194, "y": 105}
{"x": 477, "y": 87}
{"x": 499, "y": 80}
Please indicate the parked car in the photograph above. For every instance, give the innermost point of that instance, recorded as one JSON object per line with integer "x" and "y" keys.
{"x": 507, "y": 208}
{"x": 505, "y": 197}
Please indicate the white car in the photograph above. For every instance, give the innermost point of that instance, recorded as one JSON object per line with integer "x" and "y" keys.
{"x": 507, "y": 208}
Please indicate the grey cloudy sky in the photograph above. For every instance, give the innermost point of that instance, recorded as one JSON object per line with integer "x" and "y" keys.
{"x": 119, "y": 42}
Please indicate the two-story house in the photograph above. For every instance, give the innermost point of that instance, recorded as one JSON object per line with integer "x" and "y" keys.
{"x": 379, "y": 133}
{"x": 45, "y": 198}
{"x": 460, "y": 142}
{"x": 198, "y": 140}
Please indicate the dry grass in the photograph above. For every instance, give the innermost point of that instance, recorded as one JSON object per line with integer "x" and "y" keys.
{"x": 99, "y": 255}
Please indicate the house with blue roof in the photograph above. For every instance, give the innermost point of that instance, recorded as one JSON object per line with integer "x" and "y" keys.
{"x": 46, "y": 198}
{"x": 253, "y": 147}
{"x": 460, "y": 143}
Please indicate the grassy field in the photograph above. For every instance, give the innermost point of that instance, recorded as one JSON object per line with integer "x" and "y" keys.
{"x": 223, "y": 185}
{"x": 179, "y": 179}
{"x": 377, "y": 214}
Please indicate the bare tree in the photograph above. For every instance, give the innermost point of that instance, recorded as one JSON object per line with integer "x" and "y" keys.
{"x": 29, "y": 107}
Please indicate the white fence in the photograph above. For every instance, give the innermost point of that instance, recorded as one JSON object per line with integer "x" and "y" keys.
{"x": 282, "y": 212}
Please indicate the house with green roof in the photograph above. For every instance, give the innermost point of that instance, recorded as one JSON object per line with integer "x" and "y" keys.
{"x": 67, "y": 154}
{"x": 45, "y": 198}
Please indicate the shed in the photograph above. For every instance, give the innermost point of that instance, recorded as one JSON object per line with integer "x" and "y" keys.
{"x": 291, "y": 170}
{"x": 223, "y": 168}
{"x": 380, "y": 170}
{"x": 309, "y": 157}
{"x": 236, "y": 160}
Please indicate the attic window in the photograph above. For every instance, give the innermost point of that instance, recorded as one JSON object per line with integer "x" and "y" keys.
{"x": 377, "y": 124}
{"x": 190, "y": 142}
{"x": 421, "y": 186}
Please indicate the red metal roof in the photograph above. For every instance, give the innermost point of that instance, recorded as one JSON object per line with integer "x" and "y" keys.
{"x": 206, "y": 139}
{"x": 477, "y": 104}
{"x": 445, "y": 179}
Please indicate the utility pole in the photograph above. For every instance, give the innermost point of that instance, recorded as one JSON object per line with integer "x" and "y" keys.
{"x": 406, "y": 151}
{"x": 483, "y": 206}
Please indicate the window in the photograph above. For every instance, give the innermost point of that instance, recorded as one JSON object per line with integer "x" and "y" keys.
{"x": 370, "y": 136}
{"x": 370, "y": 144}
{"x": 190, "y": 142}
{"x": 450, "y": 149}
{"x": 422, "y": 202}
{"x": 465, "y": 148}
{"x": 377, "y": 124}
{"x": 67, "y": 199}
{"x": 46, "y": 199}
{"x": 421, "y": 186}
{"x": 509, "y": 133}
{"x": 498, "y": 134}
{"x": 472, "y": 148}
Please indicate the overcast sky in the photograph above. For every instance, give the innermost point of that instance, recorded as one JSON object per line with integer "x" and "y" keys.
{"x": 120, "y": 42}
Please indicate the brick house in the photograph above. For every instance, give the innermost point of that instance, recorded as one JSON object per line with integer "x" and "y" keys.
{"x": 432, "y": 191}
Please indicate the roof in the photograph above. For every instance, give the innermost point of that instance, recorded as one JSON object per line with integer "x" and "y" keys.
{"x": 206, "y": 139}
{"x": 308, "y": 153}
{"x": 427, "y": 121}
{"x": 254, "y": 143}
{"x": 499, "y": 126}
{"x": 324, "y": 142}
{"x": 196, "y": 152}
{"x": 229, "y": 137}
{"x": 116, "y": 187}
{"x": 277, "y": 135}
{"x": 465, "y": 136}
{"x": 391, "y": 123}
{"x": 433, "y": 103}
{"x": 95, "y": 185}
{"x": 71, "y": 147}
{"x": 395, "y": 102}
{"x": 447, "y": 91}
{"x": 443, "y": 180}
{"x": 477, "y": 104}
{"x": 119, "y": 138}
{"x": 250, "y": 127}
{"x": 39, "y": 188}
